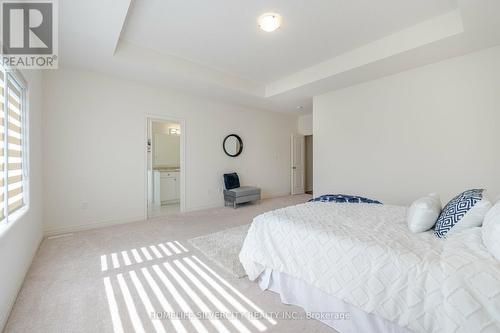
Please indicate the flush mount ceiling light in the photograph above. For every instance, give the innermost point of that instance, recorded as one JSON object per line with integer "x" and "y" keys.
{"x": 269, "y": 22}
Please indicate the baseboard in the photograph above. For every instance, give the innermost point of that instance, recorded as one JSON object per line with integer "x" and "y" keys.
{"x": 221, "y": 203}
{"x": 275, "y": 195}
{"x": 89, "y": 226}
{"x": 203, "y": 207}
{"x": 96, "y": 225}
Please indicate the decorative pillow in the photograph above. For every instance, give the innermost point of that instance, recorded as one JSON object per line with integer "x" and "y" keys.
{"x": 344, "y": 198}
{"x": 423, "y": 213}
{"x": 491, "y": 231}
{"x": 467, "y": 210}
{"x": 231, "y": 180}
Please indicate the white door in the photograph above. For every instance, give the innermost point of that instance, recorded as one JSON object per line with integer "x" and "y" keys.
{"x": 298, "y": 164}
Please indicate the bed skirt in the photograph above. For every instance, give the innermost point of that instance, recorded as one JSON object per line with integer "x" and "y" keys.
{"x": 324, "y": 307}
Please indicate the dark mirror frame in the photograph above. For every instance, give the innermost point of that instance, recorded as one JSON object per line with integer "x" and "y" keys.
{"x": 240, "y": 142}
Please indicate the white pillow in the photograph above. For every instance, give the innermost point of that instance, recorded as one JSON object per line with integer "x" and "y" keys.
{"x": 423, "y": 213}
{"x": 474, "y": 217}
{"x": 491, "y": 231}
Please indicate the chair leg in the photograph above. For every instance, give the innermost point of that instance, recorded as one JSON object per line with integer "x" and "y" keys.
{"x": 234, "y": 204}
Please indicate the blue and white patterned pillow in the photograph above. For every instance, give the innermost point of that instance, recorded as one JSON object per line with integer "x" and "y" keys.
{"x": 344, "y": 199}
{"x": 455, "y": 210}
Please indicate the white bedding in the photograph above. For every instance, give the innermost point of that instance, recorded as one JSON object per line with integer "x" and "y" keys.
{"x": 365, "y": 255}
{"x": 324, "y": 307}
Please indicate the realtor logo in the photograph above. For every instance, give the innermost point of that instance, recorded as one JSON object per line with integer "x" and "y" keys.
{"x": 29, "y": 34}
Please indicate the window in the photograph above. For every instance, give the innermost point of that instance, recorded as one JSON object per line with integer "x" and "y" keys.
{"x": 13, "y": 151}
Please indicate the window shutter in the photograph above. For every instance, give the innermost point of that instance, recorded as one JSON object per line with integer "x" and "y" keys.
{"x": 13, "y": 159}
{"x": 15, "y": 153}
{"x": 2, "y": 144}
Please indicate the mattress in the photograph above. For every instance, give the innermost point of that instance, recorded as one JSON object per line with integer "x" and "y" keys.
{"x": 364, "y": 255}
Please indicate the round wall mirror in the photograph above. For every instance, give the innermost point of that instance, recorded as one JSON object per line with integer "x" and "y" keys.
{"x": 233, "y": 145}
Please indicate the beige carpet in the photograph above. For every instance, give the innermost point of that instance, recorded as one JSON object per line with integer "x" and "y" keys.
{"x": 223, "y": 248}
{"x": 141, "y": 276}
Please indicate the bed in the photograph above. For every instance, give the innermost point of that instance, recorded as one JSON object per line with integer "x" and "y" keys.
{"x": 361, "y": 259}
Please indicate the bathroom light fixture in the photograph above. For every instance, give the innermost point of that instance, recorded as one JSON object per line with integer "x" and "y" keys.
{"x": 269, "y": 22}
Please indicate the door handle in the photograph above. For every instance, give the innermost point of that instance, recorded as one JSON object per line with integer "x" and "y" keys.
{"x": 294, "y": 168}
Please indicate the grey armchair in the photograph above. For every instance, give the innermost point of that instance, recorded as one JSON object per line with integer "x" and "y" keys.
{"x": 235, "y": 194}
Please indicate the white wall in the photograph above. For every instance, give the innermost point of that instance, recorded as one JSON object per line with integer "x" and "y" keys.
{"x": 19, "y": 241}
{"x": 305, "y": 124}
{"x": 94, "y": 146}
{"x": 435, "y": 128}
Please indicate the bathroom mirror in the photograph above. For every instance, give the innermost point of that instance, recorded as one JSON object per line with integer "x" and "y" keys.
{"x": 233, "y": 145}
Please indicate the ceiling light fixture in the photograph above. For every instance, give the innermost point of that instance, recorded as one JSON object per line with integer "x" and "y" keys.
{"x": 174, "y": 131}
{"x": 269, "y": 22}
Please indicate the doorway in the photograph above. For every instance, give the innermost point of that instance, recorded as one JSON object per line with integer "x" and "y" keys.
{"x": 165, "y": 167}
{"x": 302, "y": 164}
{"x": 309, "y": 164}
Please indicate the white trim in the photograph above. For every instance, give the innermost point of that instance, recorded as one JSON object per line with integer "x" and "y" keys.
{"x": 6, "y": 225}
{"x": 165, "y": 118}
{"x": 60, "y": 236}
{"x": 89, "y": 226}
{"x": 6, "y": 146}
{"x": 18, "y": 77}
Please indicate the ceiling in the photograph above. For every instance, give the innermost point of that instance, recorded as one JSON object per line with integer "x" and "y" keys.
{"x": 215, "y": 48}
{"x": 223, "y": 34}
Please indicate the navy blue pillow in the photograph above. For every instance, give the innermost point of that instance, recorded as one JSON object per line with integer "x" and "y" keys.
{"x": 344, "y": 199}
{"x": 231, "y": 180}
{"x": 455, "y": 210}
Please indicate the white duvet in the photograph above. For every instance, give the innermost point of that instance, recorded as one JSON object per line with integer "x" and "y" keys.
{"x": 365, "y": 255}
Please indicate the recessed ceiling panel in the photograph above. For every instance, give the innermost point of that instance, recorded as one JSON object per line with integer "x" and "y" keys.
{"x": 224, "y": 34}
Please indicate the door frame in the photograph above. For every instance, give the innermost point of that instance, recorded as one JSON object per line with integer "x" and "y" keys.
{"x": 149, "y": 118}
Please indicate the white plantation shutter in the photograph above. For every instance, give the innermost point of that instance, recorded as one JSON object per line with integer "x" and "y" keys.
{"x": 12, "y": 146}
{"x": 2, "y": 144}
